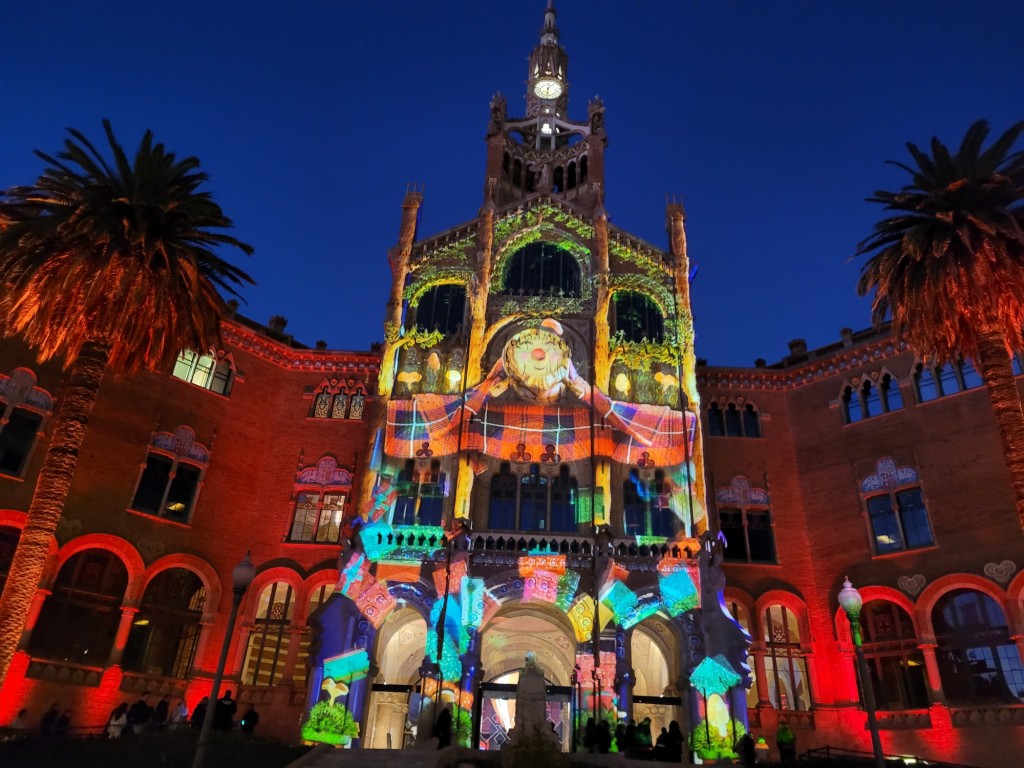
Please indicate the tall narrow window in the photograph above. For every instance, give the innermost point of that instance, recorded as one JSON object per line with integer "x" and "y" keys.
{"x": 8, "y": 543}
{"x": 317, "y": 517}
{"x": 978, "y": 660}
{"x": 716, "y": 420}
{"x": 165, "y": 632}
{"x": 949, "y": 384}
{"x": 970, "y": 375}
{"x": 408, "y": 492}
{"x": 563, "y": 502}
{"x": 892, "y": 400}
{"x": 502, "y": 508}
{"x": 87, "y": 597}
{"x": 634, "y": 506}
{"x": 872, "y": 400}
{"x": 647, "y": 507}
{"x": 851, "y": 405}
{"x": 733, "y": 424}
{"x": 432, "y": 490}
{"x": 788, "y": 686}
{"x": 748, "y": 534}
{"x": 533, "y": 500}
{"x": 206, "y": 371}
{"x": 751, "y": 421}
{"x": 924, "y": 382}
{"x": 270, "y": 637}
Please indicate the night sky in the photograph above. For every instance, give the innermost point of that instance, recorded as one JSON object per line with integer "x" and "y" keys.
{"x": 772, "y": 120}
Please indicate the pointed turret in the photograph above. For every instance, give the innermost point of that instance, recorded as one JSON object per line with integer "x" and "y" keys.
{"x": 547, "y": 88}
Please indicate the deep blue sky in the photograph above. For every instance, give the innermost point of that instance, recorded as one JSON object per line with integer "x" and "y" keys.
{"x": 772, "y": 119}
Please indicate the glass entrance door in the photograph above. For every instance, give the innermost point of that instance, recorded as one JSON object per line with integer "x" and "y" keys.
{"x": 498, "y": 711}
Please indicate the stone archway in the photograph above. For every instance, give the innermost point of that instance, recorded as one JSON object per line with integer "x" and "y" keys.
{"x": 655, "y": 659}
{"x": 399, "y": 651}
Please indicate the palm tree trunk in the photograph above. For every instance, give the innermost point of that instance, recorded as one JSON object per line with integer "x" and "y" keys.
{"x": 52, "y": 487}
{"x": 997, "y": 371}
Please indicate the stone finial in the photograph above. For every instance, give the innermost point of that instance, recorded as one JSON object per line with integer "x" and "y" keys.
{"x": 277, "y": 323}
{"x": 797, "y": 347}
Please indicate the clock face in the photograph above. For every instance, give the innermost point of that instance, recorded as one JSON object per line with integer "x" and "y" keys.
{"x": 547, "y": 88}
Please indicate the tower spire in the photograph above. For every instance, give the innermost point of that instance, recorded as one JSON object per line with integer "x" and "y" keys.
{"x": 549, "y": 33}
{"x": 547, "y": 87}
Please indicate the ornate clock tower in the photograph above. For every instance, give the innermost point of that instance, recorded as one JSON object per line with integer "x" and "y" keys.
{"x": 536, "y": 467}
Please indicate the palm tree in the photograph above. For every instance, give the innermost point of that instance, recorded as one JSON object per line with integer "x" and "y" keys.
{"x": 107, "y": 265}
{"x": 948, "y": 267}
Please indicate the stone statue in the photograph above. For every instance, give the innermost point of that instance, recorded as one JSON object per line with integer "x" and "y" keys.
{"x": 498, "y": 111}
{"x": 531, "y": 705}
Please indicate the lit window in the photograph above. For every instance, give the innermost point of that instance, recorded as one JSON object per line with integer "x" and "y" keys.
{"x": 171, "y": 477}
{"x": 270, "y": 637}
{"x": 337, "y": 400}
{"x": 785, "y": 668}
{"x": 899, "y": 520}
{"x": 206, "y": 371}
{"x": 320, "y": 494}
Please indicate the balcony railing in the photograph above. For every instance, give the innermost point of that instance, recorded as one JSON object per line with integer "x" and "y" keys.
{"x": 63, "y": 672}
{"x": 990, "y": 714}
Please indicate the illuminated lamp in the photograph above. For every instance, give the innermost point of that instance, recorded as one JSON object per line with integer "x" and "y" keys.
{"x": 241, "y": 578}
{"x": 851, "y": 602}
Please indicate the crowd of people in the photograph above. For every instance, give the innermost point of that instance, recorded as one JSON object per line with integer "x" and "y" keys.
{"x": 127, "y": 721}
{"x": 633, "y": 739}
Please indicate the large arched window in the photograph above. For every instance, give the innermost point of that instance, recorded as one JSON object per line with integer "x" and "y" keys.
{"x": 166, "y": 629}
{"x": 896, "y": 664}
{"x": 270, "y": 637}
{"x": 300, "y": 676}
{"x": 978, "y": 662}
{"x": 784, "y": 665}
{"x": 542, "y": 269}
{"x": 79, "y": 620}
{"x": 442, "y": 308}
{"x": 637, "y": 317}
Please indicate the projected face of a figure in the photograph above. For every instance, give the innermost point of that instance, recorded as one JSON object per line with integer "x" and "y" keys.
{"x": 537, "y": 360}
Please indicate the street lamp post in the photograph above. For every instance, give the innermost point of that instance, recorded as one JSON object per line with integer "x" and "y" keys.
{"x": 851, "y": 602}
{"x": 241, "y": 577}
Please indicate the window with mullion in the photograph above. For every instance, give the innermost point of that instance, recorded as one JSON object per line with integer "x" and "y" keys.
{"x": 533, "y": 501}
{"x": 17, "y": 438}
{"x": 167, "y": 488}
{"x": 748, "y": 534}
{"x": 899, "y": 521}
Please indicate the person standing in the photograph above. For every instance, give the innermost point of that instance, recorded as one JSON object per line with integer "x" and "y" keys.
{"x": 443, "y": 727}
{"x": 250, "y": 720}
{"x": 785, "y": 740}
{"x": 199, "y": 713}
{"x": 761, "y": 751}
{"x": 745, "y": 748}
{"x": 140, "y": 713}
{"x": 590, "y": 736}
{"x": 49, "y": 721}
{"x": 63, "y": 724}
{"x": 20, "y": 722}
{"x": 161, "y": 712}
{"x": 224, "y": 712}
{"x": 117, "y": 721}
{"x": 604, "y": 737}
{"x": 179, "y": 714}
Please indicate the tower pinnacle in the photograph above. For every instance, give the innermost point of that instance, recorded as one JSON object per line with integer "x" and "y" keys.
{"x": 547, "y": 88}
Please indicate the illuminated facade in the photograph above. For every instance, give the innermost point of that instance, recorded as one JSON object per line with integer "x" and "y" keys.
{"x": 533, "y": 451}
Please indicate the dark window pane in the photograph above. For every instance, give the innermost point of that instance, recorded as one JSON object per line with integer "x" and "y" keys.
{"x": 872, "y": 400}
{"x": 563, "y": 504}
{"x": 851, "y": 405}
{"x": 152, "y": 484}
{"x": 891, "y": 393}
{"x": 732, "y": 421}
{"x": 731, "y": 523}
{"x": 716, "y": 421}
{"x": 634, "y": 508}
{"x": 182, "y": 492}
{"x": 637, "y": 317}
{"x": 17, "y": 438}
{"x": 442, "y": 308}
{"x": 759, "y": 534}
{"x": 751, "y": 422}
{"x": 8, "y": 543}
{"x": 948, "y": 384}
{"x": 543, "y": 269}
{"x": 915, "y": 518}
{"x": 884, "y": 525}
{"x": 502, "y": 511}
{"x": 925, "y": 384}
{"x": 970, "y": 374}
{"x": 533, "y": 503}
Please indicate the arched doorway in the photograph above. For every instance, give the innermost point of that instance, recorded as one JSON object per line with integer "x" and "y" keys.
{"x": 655, "y": 654}
{"x": 516, "y": 629}
{"x": 400, "y": 647}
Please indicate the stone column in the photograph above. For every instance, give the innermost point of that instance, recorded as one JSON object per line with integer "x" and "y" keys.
{"x": 241, "y": 647}
{"x": 33, "y": 616}
{"x": 931, "y": 668}
{"x": 760, "y": 677}
{"x": 625, "y": 676}
{"x": 123, "y": 628}
{"x": 813, "y": 683}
